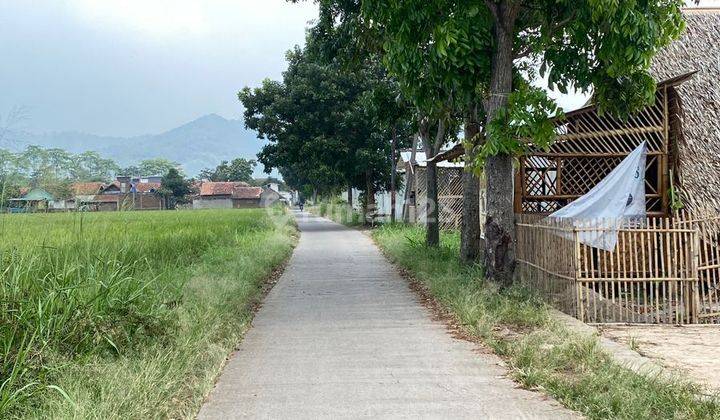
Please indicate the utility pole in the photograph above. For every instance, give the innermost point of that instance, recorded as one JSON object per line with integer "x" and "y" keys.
{"x": 392, "y": 175}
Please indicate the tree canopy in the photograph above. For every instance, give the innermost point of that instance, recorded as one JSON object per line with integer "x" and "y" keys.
{"x": 479, "y": 61}
{"x": 239, "y": 170}
{"x": 329, "y": 126}
{"x": 175, "y": 188}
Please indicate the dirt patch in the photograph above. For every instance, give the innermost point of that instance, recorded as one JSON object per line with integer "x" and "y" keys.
{"x": 690, "y": 350}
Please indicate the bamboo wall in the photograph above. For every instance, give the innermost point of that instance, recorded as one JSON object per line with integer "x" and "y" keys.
{"x": 589, "y": 146}
{"x": 662, "y": 270}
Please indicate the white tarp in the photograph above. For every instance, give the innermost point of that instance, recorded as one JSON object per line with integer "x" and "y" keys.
{"x": 616, "y": 200}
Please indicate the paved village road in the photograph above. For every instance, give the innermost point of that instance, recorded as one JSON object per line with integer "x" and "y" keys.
{"x": 341, "y": 335}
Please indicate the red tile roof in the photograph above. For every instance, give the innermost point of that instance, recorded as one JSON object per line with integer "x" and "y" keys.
{"x": 86, "y": 188}
{"x": 146, "y": 187}
{"x": 239, "y": 190}
{"x": 247, "y": 192}
{"x": 141, "y": 187}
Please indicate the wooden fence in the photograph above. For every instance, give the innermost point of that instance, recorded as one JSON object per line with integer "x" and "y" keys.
{"x": 662, "y": 270}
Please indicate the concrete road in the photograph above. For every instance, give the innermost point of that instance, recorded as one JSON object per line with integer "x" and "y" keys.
{"x": 341, "y": 335}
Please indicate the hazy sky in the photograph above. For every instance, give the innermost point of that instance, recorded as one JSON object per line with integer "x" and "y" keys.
{"x": 126, "y": 67}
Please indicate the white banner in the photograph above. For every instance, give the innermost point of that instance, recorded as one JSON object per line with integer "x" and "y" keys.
{"x": 613, "y": 202}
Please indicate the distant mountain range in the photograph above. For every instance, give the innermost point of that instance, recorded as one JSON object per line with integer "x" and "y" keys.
{"x": 199, "y": 144}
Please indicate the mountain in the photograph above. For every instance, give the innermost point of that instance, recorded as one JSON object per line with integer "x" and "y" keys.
{"x": 199, "y": 144}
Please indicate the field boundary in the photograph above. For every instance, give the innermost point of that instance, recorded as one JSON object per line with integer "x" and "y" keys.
{"x": 253, "y": 307}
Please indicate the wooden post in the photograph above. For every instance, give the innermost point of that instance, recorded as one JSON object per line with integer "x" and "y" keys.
{"x": 695, "y": 274}
{"x": 664, "y": 163}
{"x": 392, "y": 175}
{"x": 580, "y": 310}
{"x": 519, "y": 186}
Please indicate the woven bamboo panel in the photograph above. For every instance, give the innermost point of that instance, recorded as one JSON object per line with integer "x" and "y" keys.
{"x": 662, "y": 270}
{"x": 588, "y": 147}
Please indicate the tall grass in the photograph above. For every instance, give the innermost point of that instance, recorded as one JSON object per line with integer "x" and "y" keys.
{"x": 126, "y": 314}
{"x": 541, "y": 353}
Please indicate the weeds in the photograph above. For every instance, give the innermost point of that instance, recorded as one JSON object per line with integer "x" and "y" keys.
{"x": 541, "y": 353}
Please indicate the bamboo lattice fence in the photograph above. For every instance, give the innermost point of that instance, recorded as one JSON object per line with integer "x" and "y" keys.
{"x": 662, "y": 270}
{"x": 450, "y": 196}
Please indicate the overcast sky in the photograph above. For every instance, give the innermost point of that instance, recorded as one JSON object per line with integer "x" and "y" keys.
{"x": 128, "y": 67}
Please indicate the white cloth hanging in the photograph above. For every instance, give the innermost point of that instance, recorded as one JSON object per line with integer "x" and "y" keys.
{"x": 615, "y": 201}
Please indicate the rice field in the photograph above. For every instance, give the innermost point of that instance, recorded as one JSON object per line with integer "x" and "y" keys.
{"x": 127, "y": 314}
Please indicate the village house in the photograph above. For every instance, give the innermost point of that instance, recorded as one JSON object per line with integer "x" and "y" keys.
{"x": 215, "y": 195}
{"x": 31, "y": 200}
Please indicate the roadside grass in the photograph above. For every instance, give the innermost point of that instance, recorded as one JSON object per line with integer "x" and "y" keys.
{"x": 540, "y": 352}
{"x": 338, "y": 211}
{"x": 129, "y": 314}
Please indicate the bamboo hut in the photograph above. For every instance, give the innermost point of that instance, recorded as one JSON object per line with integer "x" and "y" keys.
{"x": 698, "y": 102}
{"x": 667, "y": 268}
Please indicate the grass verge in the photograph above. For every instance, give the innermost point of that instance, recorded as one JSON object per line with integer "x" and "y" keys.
{"x": 338, "y": 211}
{"x": 130, "y": 314}
{"x": 541, "y": 353}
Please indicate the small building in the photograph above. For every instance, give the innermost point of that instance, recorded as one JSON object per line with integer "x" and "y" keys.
{"x": 127, "y": 193}
{"x": 227, "y": 195}
{"x": 32, "y": 200}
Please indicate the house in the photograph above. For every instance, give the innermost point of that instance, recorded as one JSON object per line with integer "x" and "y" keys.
{"x": 31, "y": 200}
{"x": 233, "y": 195}
{"x": 125, "y": 193}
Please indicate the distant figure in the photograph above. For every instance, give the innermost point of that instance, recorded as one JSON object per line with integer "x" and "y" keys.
{"x": 301, "y": 204}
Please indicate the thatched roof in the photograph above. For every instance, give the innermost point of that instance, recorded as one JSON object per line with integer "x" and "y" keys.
{"x": 698, "y": 159}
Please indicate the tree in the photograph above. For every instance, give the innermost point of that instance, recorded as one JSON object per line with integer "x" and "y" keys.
{"x": 239, "y": 170}
{"x": 323, "y": 122}
{"x": 156, "y": 166}
{"x": 440, "y": 61}
{"x": 175, "y": 188}
{"x": 601, "y": 44}
{"x": 90, "y": 166}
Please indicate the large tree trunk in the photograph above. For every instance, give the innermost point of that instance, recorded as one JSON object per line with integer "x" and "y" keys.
{"x": 470, "y": 229}
{"x": 432, "y": 147}
{"x": 350, "y": 196}
{"x": 499, "y": 256}
{"x": 432, "y": 211}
